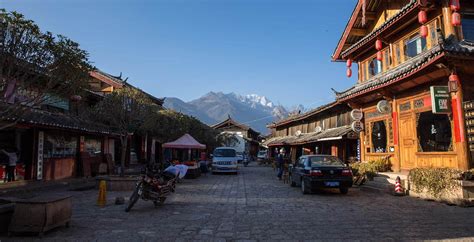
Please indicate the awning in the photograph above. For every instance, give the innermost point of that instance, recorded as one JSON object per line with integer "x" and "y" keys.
{"x": 185, "y": 142}
{"x": 280, "y": 141}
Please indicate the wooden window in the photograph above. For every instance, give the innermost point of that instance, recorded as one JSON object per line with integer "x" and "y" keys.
{"x": 433, "y": 34}
{"x": 434, "y": 132}
{"x": 386, "y": 59}
{"x": 379, "y": 137}
{"x": 374, "y": 67}
{"x": 414, "y": 46}
{"x": 467, "y": 24}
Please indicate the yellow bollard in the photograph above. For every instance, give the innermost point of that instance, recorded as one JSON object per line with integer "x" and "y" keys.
{"x": 102, "y": 199}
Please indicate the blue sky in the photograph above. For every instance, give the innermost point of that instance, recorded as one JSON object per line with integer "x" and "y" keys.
{"x": 186, "y": 48}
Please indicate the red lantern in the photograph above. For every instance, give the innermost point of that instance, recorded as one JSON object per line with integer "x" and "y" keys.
{"x": 378, "y": 44}
{"x": 379, "y": 55}
{"x": 349, "y": 72}
{"x": 453, "y": 78}
{"x": 424, "y": 31}
{"x": 422, "y": 17}
{"x": 456, "y": 19}
{"x": 349, "y": 63}
{"x": 453, "y": 83}
{"x": 455, "y": 6}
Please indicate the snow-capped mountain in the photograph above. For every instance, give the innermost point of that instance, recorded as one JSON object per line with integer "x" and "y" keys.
{"x": 253, "y": 110}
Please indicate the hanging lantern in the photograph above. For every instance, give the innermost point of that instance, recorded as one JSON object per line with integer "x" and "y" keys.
{"x": 455, "y": 6}
{"x": 453, "y": 83}
{"x": 378, "y": 44}
{"x": 379, "y": 55}
{"x": 349, "y": 72}
{"x": 349, "y": 63}
{"x": 422, "y": 17}
{"x": 424, "y": 31}
{"x": 456, "y": 19}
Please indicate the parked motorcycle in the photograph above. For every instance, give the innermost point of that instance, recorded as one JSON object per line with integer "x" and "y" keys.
{"x": 152, "y": 185}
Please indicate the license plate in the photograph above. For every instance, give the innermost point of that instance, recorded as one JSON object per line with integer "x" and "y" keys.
{"x": 331, "y": 184}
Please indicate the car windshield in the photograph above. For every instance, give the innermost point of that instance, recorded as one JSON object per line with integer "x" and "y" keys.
{"x": 224, "y": 153}
{"x": 262, "y": 152}
{"x": 325, "y": 161}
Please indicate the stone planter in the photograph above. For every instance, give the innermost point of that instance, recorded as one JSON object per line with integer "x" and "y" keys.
{"x": 462, "y": 194}
{"x": 118, "y": 183}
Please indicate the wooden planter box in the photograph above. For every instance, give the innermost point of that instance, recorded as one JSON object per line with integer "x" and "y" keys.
{"x": 40, "y": 214}
{"x": 118, "y": 183}
{"x": 6, "y": 212}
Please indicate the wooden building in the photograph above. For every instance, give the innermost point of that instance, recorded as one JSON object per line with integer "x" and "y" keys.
{"x": 324, "y": 130}
{"x": 415, "y": 80}
{"x": 248, "y": 137}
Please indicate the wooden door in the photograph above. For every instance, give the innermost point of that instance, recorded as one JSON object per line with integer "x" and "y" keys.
{"x": 408, "y": 141}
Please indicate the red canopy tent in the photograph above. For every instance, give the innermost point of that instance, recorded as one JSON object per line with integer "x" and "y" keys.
{"x": 185, "y": 142}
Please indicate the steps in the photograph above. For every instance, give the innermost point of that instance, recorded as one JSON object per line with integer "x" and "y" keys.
{"x": 384, "y": 182}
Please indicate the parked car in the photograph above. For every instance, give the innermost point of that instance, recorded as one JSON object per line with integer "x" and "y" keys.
{"x": 224, "y": 159}
{"x": 312, "y": 172}
{"x": 262, "y": 155}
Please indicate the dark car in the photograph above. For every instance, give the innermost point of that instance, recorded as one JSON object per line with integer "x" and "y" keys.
{"x": 312, "y": 172}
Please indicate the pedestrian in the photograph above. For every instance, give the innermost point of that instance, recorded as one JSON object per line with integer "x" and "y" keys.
{"x": 12, "y": 160}
{"x": 281, "y": 163}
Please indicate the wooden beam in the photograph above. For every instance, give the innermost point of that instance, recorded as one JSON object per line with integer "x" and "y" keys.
{"x": 359, "y": 32}
{"x": 370, "y": 16}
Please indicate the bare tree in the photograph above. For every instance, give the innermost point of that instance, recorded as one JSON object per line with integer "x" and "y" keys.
{"x": 36, "y": 67}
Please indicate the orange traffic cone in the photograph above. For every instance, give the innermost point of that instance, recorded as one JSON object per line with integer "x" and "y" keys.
{"x": 102, "y": 199}
{"x": 399, "y": 191}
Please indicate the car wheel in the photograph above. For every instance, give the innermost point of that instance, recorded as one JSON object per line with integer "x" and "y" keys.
{"x": 344, "y": 190}
{"x": 304, "y": 190}
{"x": 292, "y": 183}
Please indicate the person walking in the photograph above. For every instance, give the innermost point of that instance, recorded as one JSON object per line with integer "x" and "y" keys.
{"x": 281, "y": 163}
{"x": 12, "y": 160}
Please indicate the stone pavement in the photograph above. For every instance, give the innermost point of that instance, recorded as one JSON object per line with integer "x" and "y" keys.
{"x": 254, "y": 205}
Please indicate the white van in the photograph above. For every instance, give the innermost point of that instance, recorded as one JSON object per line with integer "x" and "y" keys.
{"x": 224, "y": 159}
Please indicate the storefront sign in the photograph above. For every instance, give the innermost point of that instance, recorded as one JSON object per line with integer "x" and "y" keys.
{"x": 357, "y": 126}
{"x": 39, "y": 170}
{"x": 357, "y": 114}
{"x": 384, "y": 107}
{"x": 440, "y": 99}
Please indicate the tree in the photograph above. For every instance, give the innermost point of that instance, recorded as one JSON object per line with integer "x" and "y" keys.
{"x": 36, "y": 67}
{"x": 228, "y": 139}
{"x": 126, "y": 110}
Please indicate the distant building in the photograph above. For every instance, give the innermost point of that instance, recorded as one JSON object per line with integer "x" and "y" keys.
{"x": 323, "y": 130}
{"x": 248, "y": 137}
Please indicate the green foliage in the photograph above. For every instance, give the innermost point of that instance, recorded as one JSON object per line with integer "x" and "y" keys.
{"x": 37, "y": 63}
{"x": 370, "y": 169}
{"x": 434, "y": 180}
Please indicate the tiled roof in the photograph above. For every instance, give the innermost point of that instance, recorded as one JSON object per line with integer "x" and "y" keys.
{"x": 313, "y": 137}
{"x": 406, "y": 9}
{"x": 44, "y": 118}
{"x": 449, "y": 46}
{"x": 304, "y": 115}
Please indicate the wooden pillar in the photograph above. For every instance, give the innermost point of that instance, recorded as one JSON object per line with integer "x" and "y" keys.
{"x": 448, "y": 27}
{"x": 362, "y": 144}
{"x": 461, "y": 145}
{"x": 395, "y": 160}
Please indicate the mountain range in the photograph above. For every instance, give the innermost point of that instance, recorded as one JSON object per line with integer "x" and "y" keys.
{"x": 253, "y": 110}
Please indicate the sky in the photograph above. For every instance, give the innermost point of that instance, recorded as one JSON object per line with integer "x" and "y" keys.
{"x": 280, "y": 49}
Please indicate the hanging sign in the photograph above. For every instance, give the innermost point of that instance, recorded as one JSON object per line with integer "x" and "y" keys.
{"x": 357, "y": 126}
{"x": 357, "y": 114}
{"x": 39, "y": 170}
{"x": 440, "y": 99}
{"x": 384, "y": 107}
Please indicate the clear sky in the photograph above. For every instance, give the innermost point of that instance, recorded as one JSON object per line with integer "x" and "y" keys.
{"x": 186, "y": 48}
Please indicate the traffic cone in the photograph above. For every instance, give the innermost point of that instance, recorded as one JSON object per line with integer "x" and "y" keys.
{"x": 102, "y": 199}
{"x": 399, "y": 191}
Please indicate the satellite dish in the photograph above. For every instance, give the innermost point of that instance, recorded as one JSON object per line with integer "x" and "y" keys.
{"x": 298, "y": 133}
{"x": 384, "y": 107}
{"x": 318, "y": 129}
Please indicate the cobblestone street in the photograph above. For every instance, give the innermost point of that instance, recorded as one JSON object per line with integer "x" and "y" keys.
{"x": 254, "y": 205}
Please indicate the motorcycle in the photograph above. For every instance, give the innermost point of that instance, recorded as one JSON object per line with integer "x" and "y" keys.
{"x": 246, "y": 161}
{"x": 152, "y": 185}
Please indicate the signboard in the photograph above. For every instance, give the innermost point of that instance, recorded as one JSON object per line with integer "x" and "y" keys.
{"x": 39, "y": 170}
{"x": 357, "y": 114}
{"x": 440, "y": 99}
{"x": 384, "y": 107}
{"x": 357, "y": 126}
